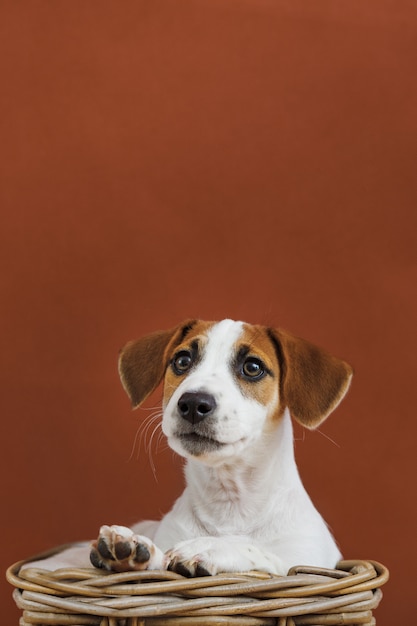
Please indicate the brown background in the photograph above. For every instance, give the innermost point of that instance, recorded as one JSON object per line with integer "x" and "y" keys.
{"x": 251, "y": 159}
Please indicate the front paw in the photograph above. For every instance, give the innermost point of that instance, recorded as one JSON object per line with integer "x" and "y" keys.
{"x": 118, "y": 549}
{"x": 195, "y": 557}
{"x": 207, "y": 556}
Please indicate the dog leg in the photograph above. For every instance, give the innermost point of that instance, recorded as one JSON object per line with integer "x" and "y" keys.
{"x": 119, "y": 549}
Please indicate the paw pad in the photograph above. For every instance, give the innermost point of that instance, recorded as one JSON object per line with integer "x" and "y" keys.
{"x": 118, "y": 549}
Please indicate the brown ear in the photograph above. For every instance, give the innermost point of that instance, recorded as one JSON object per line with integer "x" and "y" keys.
{"x": 312, "y": 381}
{"x": 142, "y": 363}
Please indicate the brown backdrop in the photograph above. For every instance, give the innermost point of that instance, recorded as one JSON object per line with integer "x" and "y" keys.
{"x": 246, "y": 158}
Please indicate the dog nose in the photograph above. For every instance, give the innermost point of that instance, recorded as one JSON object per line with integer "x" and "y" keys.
{"x": 194, "y": 406}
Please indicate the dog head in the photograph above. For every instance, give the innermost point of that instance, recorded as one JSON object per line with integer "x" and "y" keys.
{"x": 226, "y": 383}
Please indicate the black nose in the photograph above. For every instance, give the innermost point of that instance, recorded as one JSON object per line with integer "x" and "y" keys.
{"x": 194, "y": 406}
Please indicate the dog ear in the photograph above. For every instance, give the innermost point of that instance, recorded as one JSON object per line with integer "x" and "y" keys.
{"x": 313, "y": 382}
{"x": 142, "y": 363}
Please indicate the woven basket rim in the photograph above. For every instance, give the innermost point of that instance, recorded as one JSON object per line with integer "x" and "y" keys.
{"x": 349, "y": 592}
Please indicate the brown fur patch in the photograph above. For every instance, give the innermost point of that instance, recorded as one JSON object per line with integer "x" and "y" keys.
{"x": 197, "y": 333}
{"x": 259, "y": 345}
{"x": 142, "y": 363}
{"x": 311, "y": 382}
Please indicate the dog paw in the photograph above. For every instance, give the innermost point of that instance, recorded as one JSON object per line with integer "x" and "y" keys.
{"x": 118, "y": 549}
{"x": 197, "y": 565}
{"x": 197, "y": 557}
{"x": 207, "y": 556}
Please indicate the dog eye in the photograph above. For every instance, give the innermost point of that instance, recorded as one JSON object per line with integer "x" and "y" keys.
{"x": 182, "y": 362}
{"x": 253, "y": 368}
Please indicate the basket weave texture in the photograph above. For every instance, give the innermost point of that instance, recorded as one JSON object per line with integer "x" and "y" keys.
{"x": 308, "y": 596}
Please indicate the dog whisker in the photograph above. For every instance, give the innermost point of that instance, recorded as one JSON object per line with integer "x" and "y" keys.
{"x": 160, "y": 440}
{"x": 135, "y": 443}
{"x": 327, "y": 437}
{"x": 150, "y": 454}
{"x": 143, "y": 431}
{"x": 302, "y": 438}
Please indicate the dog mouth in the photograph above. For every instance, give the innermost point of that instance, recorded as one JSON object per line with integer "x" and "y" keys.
{"x": 196, "y": 443}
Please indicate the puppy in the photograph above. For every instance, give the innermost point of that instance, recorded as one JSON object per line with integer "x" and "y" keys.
{"x": 230, "y": 390}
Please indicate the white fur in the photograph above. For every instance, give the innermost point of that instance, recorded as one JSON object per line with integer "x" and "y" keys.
{"x": 244, "y": 506}
{"x": 239, "y": 419}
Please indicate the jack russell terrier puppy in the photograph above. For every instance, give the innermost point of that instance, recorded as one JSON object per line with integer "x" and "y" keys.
{"x": 230, "y": 390}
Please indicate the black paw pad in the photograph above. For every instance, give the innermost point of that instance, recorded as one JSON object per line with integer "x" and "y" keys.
{"x": 95, "y": 559}
{"x": 104, "y": 551}
{"x": 122, "y": 550}
{"x": 142, "y": 553}
{"x": 201, "y": 571}
{"x": 179, "y": 568}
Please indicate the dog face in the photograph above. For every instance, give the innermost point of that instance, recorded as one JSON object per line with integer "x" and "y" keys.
{"x": 221, "y": 390}
{"x": 227, "y": 383}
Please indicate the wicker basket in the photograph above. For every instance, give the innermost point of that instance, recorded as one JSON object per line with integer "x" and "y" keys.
{"x": 307, "y": 596}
